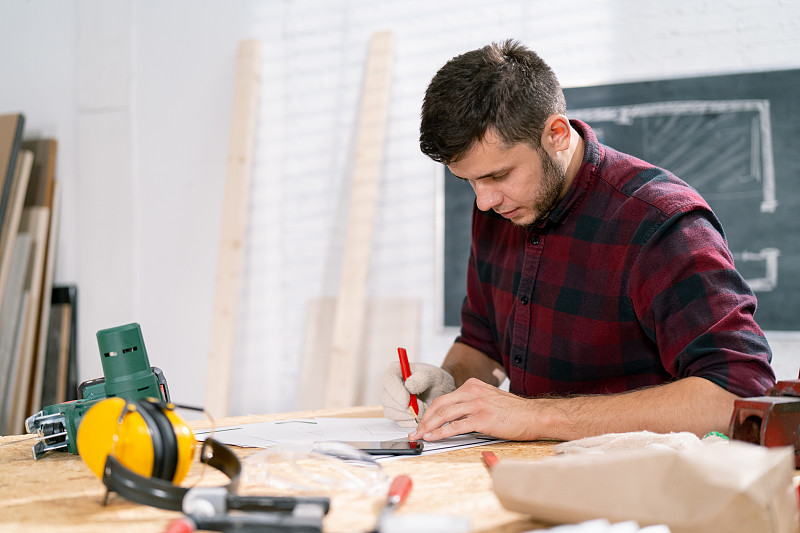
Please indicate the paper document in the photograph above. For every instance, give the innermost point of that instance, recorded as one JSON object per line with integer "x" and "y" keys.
{"x": 267, "y": 434}
{"x": 602, "y": 525}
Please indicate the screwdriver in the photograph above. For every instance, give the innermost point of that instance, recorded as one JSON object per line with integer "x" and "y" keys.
{"x": 398, "y": 491}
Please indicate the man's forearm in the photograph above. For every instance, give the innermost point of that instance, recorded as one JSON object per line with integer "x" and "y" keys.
{"x": 464, "y": 362}
{"x": 691, "y": 404}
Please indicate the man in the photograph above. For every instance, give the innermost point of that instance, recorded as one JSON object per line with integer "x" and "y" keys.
{"x": 600, "y": 285}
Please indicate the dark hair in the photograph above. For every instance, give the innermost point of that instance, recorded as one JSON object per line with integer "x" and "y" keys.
{"x": 501, "y": 86}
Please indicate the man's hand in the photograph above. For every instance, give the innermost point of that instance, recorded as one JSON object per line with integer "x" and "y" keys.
{"x": 428, "y": 382}
{"x": 478, "y": 406}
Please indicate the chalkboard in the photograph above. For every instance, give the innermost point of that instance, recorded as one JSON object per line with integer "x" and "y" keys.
{"x": 735, "y": 138}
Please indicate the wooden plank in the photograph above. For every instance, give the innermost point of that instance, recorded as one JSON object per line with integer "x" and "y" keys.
{"x": 35, "y": 220}
{"x": 12, "y": 281}
{"x": 10, "y": 224}
{"x": 234, "y": 226}
{"x": 348, "y": 319}
{"x": 17, "y": 389}
{"x": 54, "y": 197}
{"x": 66, "y": 337}
{"x": 11, "y": 127}
{"x": 389, "y": 323}
{"x": 41, "y": 192}
{"x": 11, "y": 313}
{"x": 43, "y": 172}
{"x": 314, "y": 360}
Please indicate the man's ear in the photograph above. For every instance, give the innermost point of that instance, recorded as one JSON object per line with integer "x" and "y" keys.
{"x": 556, "y": 135}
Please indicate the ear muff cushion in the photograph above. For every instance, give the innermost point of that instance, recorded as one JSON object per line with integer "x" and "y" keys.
{"x": 165, "y": 445}
{"x": 186, "y": 445}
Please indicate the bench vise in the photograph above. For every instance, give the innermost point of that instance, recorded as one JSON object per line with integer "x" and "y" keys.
{"x": 770, "y": 420}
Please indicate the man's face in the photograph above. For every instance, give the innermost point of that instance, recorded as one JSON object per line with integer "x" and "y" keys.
{"x": 520, "y": 183}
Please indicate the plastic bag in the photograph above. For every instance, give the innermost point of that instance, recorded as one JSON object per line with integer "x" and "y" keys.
{"x": 318, "y": 468}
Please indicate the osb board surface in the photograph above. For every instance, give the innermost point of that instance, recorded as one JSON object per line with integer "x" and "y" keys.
{"x": 59, "y": 492}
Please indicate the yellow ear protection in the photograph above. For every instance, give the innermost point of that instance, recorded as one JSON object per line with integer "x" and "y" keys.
{"x": 146, "y": 437}
{"x": 143, "y": 450}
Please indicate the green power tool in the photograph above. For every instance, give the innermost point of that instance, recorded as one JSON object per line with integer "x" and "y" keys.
{"x": 127, "y": 374}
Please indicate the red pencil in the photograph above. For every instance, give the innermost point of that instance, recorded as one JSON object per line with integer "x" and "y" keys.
{"x": 413, "y": 406}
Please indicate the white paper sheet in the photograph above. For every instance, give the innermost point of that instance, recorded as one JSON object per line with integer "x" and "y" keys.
{"x": 604, "y": 526}
{"x": 267, "y": 434}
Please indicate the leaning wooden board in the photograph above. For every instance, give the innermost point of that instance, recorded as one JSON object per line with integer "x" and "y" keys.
{"x": 11, "y": 127}
{"x": 234, "y": 226}
{"x": 389, "y": 324}
{"x": 13, "y": 216}
{"x": 13, "y": 284}
{"x": 43, "y": 191}
{"x": 351, "y": 301}
{"x": 46, "y": 289}
{"x": 35, "y": 221}
{"x": 43, "y": 173}
{"x": 12, "y": 310}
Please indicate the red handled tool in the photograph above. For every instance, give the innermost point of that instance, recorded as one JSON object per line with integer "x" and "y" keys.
{"x": 490, "y": 458}
{"x": 398, "y": 492}
{"x": 406, "y": 369}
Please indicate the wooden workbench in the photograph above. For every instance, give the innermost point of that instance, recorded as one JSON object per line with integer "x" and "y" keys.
{"x": 60, "y": 493}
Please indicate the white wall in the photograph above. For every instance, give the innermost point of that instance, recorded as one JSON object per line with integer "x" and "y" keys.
{"x": 139, "y": 93}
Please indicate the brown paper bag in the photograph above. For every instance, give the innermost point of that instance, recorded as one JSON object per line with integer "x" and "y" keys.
{"x": 734, "y": 487}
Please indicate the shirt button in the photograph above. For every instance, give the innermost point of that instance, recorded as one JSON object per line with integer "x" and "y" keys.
{"x": 535, "y": 240}
{"x": 517, "y": 359}
{"x": 524, "y": 300}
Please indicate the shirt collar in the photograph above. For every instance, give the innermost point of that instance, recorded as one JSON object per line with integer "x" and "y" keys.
{"x": 584, "y": 179}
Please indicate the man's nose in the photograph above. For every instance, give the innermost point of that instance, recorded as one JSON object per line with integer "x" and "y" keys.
{"x": 486, "y": 196}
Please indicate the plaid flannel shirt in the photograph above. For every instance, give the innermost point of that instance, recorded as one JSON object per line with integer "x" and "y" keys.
{"x": 627, "y": 283}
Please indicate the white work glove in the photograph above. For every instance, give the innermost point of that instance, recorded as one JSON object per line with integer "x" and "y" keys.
{"x": 428, "y": 382}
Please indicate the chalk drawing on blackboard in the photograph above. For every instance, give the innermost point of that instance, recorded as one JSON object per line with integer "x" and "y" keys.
{"x": 736, "y": 161}
{"x": 768, "y": 257}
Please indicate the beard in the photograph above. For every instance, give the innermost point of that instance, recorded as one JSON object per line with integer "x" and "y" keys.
{"x": 552, "y": 187}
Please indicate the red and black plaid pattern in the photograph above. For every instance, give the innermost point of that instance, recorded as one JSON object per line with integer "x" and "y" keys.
{"x": 628, "y": 283}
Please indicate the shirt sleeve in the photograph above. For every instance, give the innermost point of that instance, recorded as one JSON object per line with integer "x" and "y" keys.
{"x": 476, "y": 329}
{"x": 696, "y": 306}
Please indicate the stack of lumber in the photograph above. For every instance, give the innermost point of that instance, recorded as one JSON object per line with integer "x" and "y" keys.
{"x": 29, "y": 214}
